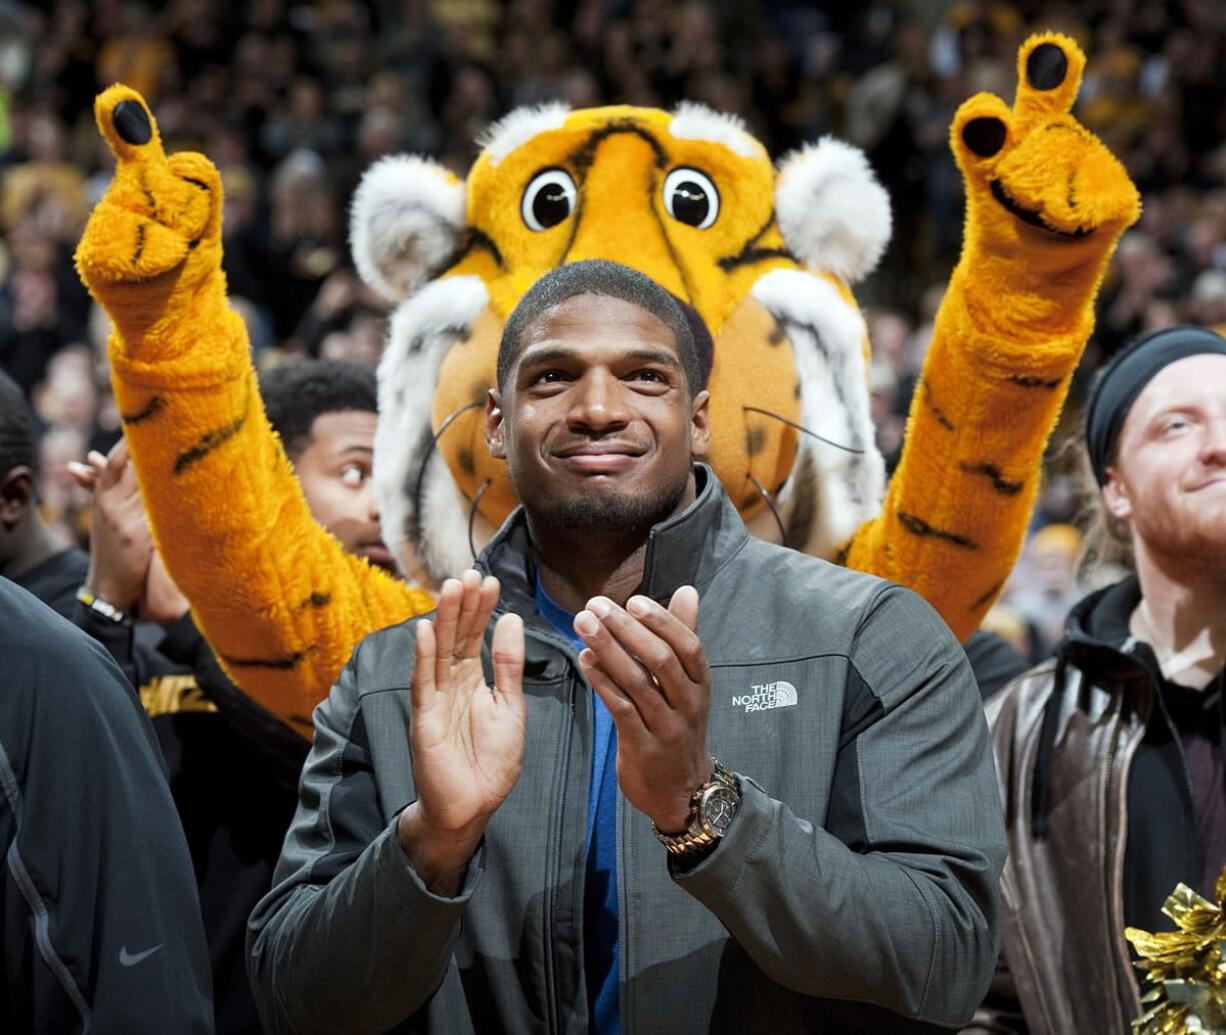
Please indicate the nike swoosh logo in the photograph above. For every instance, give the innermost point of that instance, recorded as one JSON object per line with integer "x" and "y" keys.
{"x": 127, "y": 959}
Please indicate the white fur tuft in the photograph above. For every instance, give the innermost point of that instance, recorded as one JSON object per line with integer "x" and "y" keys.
{"x": 516, "y": 128}
{"x": 693, "y": 121}
{"x": 827, "y": 337}
{"x": 432, "y": 544}
{"x": 833, "y": 213}
{"x": 406, "y": 222}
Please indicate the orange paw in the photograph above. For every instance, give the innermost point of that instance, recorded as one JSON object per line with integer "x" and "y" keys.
{"x": 158, "y": 212}
{"x": 1033, "y": 169}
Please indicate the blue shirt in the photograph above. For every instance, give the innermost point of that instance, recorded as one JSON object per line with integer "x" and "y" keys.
{"x": 600, "y": 968}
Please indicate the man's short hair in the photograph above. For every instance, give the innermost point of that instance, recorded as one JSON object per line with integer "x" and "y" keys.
{"x": 612, "y": 280}
{"x": 17, "y": 428}
{"x": 296, "y": 393}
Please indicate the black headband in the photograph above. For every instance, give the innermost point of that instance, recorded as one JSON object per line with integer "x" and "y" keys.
{"x": 1119, "y": 385}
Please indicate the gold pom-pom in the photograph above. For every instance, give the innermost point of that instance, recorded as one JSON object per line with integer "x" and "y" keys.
{"x": 1185, "y": 968}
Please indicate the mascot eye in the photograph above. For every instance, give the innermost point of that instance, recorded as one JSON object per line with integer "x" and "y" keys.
{"x": 691, "y": 198}
{"x": 549, "y": 199}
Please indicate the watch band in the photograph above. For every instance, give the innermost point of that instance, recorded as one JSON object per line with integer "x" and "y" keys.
{"x": 95, "y": 603}
{"x": 699, "y": 834}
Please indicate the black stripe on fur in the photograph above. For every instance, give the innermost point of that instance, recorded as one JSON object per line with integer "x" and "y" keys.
{"x": 917, "y": 526}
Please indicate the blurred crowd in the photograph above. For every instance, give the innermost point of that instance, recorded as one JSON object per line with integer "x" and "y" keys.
{"x": 293, "y": 100}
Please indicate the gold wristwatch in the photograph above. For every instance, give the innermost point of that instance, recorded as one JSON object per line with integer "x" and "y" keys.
{"x": 712, "y": 808}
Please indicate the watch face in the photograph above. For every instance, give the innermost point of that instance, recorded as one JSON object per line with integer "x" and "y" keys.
{"x": 718, "y": 806}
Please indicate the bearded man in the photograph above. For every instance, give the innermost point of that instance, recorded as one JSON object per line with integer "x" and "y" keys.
{"x": 617, "y": 808}
{"x": 1110, "y": 755}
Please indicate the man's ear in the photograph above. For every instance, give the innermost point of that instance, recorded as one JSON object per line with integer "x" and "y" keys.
{"x": 494, "y": 426}
{"x": 700, "y": 424}
{"x": 1115, "y": 496}
{"x": 16, "y": 495}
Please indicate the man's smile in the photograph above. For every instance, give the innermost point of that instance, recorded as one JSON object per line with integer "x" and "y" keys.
{"x": 1219, "y": 481}
{"x": 599, "y": 457}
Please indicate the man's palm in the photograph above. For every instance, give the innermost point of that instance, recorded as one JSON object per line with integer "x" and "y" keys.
{"x": 467, "y": 738}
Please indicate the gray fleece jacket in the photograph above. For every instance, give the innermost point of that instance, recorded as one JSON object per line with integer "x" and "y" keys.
{"x": 855, "y": 890}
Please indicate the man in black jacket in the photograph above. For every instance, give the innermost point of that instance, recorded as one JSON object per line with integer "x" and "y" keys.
{"x": 557, "y": 848}
{"x": 102, "y": 925}
{"x": 233, "y": 766}
{"x": 1110, "y": 755}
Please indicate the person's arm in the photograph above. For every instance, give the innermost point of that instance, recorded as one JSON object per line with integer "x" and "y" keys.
{"x": 102, "y": 864}
{"x": 358, "y": 929}
{"x": 349, "y": 938}
{"x": 894, "y": 902}
{"x": 282, "y": 749}
{"x": 120, "y": 550}
{"x": 117, "y": 638}
{"x": 278, "y": 597}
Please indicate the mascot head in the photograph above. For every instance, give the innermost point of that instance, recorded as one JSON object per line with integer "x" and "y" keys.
{"x": 762, "y": 257}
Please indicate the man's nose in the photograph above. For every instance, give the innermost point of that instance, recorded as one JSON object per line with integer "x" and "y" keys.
{"x": 598, "y": 403}
{"x": 371, "y": 501}
{"x": 1213, "y": 449}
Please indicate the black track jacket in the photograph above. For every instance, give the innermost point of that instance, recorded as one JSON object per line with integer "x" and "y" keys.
{"x": 101, "y": 925}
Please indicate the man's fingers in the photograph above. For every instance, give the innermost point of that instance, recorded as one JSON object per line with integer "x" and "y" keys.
{"x": 114, "y": 466}
{"x": 450, "y": 599}
{"x": 507, "y": 651}
{"x": 470, "y": 602}
{"x": 84, "y": 475}
{"x": 487, "y": 600}
{"x": 676, "y": 626}
{"x": 626, "y": 716}
{"x": 661, "y": 644}
{"x": 119, "y": 452}
{"x": 683, "y": 606}
{"x": 128, "y": 484}
{"x": 422, "y": 684}
{"x": 628, "y": 653}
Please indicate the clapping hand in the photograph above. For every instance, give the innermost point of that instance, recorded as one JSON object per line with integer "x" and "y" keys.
{"x": 125, "y": 568}
{"x": 119, "y": 539}
{"x": 650, "y": 670}
{"x": 467, "y": 738}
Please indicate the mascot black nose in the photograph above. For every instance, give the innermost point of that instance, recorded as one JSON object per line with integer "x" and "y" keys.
{"x": 132, "y": 122}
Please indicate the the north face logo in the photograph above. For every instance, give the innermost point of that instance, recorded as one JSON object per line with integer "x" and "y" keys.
{"x": 762, "y": 696}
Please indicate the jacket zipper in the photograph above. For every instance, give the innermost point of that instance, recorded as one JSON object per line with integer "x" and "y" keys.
{"x": 624, "y": 1005}
{"x": 1115, "y": 859}
{"x": 555, "y": 869}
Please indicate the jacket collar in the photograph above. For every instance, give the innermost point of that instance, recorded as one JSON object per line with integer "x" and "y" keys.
{"x": 1098, "y": 640}
{"x": 689, "y": 547}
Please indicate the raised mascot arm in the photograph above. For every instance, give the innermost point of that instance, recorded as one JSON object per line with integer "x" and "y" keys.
{"x": 1046, "y": 204}
{"x": 276, "y": 595}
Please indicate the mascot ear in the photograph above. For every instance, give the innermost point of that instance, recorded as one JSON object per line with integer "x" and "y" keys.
{"x": 833, "y": 213}
{"x": 406, "y": 224}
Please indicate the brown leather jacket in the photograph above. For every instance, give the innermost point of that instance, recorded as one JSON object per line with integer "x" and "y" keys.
{"x": 1063, "y": 774}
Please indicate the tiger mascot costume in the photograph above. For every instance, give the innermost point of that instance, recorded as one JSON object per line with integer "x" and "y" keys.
{"x": 763, "y": 255}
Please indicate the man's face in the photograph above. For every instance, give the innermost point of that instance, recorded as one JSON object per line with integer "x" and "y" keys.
{"x": 1169, "y": 482}
{"x": 334, "y": 470}
{"x": 596, "y": 421}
